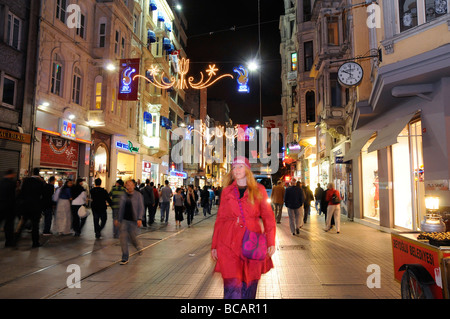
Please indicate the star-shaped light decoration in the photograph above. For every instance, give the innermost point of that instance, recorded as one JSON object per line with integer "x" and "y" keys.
{"x": 212, "y": 70}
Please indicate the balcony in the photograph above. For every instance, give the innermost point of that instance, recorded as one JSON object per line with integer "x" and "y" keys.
{"x": 157, "y": 146}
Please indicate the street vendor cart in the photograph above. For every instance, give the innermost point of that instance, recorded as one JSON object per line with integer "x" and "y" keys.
{"x": 422, "y": 264}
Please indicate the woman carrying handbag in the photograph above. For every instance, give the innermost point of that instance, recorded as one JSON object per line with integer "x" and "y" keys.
{"x": 241, "y": 248}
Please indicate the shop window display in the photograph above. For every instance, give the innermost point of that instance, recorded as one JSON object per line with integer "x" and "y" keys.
{"x": 370, "y": 184}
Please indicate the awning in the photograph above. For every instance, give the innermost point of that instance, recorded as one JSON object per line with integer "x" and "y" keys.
{"x": 358, "y": 140}
{"x": 151, "y": 36}
{"x": 387, "y": 136}
{"x": 153, "y": 5}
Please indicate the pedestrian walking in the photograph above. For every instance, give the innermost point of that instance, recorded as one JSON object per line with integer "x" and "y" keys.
{"x": 165, "y": 196}
{"x": 149, "y": 201}
{"x": 115, "y": 194}
{"x": 178, "y": 207}
{"x": 309, "y": 197}
{"x": 100, "y": 198}
{"x": 8, "y": 205}
{"x": 190, "y": 202}
{"x": 129, "y": 219}
{"x": 204, "y": 201}
{"x": 32, "y": 191}
{"x": 63, "y": 214}
{"x": 156, "y": 202}
{"x": 277, "y": 199}
{"x": 79, "y": 198}
{"x": 293, "y": 199}
{"x": 48, "y": 205}
{"x": 243, "y": 204}
{"x": 318, "y": 192}
{"x": 334, "y": 208}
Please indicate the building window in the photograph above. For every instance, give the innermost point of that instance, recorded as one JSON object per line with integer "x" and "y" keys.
{"x": 412, "y": 13}
{"x": 9, "y": 91}
{"x": 98, "y": 93}
{"x": 81, "y": 30}
{"x": 310, "y": 106}
{"x": 336, "y": 91}
{"x": 14, "y": 30}
{"x": 76, "y": 86}
{"x": 57, "y": 69}
{"x": 102, "y": 35}
{"x": 122, "y": 51}
{"x": 308, "y": 55}
{"x": 61, "y": 10}
{"x": 333, "y": 30}
{"x": 294, "y": 61}
{"x": 116, "y": 42}
{"x": 307, "y": 12}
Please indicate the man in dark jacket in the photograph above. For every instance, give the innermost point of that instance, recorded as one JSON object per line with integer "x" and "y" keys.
{"x": 31, "y": 194}
{"x": 99, "y": 197}
{"x": 7, "y": 205}
{"x": 293, "y": 199}
{"x": 318, "y": 193}
{"x": 204, "y": 200}
{"x": 149, "y": 202}
{"x": 309, "y": 196}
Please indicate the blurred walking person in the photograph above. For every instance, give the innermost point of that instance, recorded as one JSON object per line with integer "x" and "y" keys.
{"x": 190, "y": 202}
{"x": 100, "y": 197}
{"x": 116, "y": 193}
{"x": 156, "y": 202}
{"x": 243, "y": 204}
{"x": 204, "y": 198}
{"x": 277, "y": 198}
{"x": 333, "y": 199}
{"x": 293, "y": 199}
{"x": 63, "y": 214}
{"x": 48, "y": 205}
{"x": 165, "y": 196}
{"x": 8, "y": 205}
{"x": 129, "y": 219}
{"x": 149, "y": 201}
{"x": 79, "y": 196}
{"x": 178, "y": 206}
{"x": 318, "y": 192}
{"x": 31, "y": 193}
{"x": 309, "y": 197}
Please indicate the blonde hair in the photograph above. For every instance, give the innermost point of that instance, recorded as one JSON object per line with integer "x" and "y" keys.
{"x": 252, "y": 184}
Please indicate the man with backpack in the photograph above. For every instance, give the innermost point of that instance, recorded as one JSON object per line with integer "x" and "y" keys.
{"x": 334, "y": 207}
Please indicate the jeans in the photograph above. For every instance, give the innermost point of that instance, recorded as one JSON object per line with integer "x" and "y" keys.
{"x": 48, "y": 215}
{"x": 307, "y": 209}
{"x": 99, "y": 221}
{"x": 190, "y": 214}
{"x": 116, "y": 229}
{"x": 206, "y": 209}
{"x": 278, "y": 211}
{"x": 235, "y": 289}
{"x": 128, "y": 231}
{"x": 295, "y": 218}
{"x": 165, "y": 208}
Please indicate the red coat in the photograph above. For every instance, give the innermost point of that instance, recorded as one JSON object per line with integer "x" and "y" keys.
{"x": 330, "y": 194}
{"x": 229, "y": 231}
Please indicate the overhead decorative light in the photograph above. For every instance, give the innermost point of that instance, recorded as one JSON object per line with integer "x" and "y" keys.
{"x": 182, "y": 82}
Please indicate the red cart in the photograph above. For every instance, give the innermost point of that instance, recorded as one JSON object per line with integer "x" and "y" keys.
{"x": 421, "y": 268}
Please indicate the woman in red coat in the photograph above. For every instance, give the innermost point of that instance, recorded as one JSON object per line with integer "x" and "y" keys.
{"x": 240, "y": 275}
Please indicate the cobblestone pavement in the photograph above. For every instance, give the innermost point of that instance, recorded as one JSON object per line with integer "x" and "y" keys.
{"x": 175, "y": 263}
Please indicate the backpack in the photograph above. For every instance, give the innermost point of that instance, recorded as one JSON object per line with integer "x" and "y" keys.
{"x": 335, "y": 199}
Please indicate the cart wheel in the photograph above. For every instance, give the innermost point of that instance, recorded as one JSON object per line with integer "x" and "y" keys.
{"x": 412, "y": 288}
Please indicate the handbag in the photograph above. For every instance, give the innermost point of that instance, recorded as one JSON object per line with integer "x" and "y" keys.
{"x": 83, "y": 212}
{"x": 254, "y": 245}
{"x": 335, "y": 199}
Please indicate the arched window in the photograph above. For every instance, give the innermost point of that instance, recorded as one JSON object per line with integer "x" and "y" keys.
{"x": 57, "y": 75}
{"x": 310, "y": 101}
{"x": 76, "y": 85}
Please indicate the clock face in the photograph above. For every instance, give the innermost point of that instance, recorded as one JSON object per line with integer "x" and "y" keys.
{"x": 350, "y": 74}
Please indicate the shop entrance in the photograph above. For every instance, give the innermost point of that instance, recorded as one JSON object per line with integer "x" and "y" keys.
{"x": 125, "y": 166}
{"x": 101, "y": 164}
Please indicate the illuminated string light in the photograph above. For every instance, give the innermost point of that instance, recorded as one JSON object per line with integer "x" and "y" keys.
{"x": 181, "y": 82}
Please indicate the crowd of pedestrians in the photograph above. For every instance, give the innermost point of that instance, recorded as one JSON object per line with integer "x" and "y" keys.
{"x": 298, "y": 197}
{"x": 64, "y": 206}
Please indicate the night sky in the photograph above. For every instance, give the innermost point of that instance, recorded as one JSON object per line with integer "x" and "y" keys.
{"x": 210, "y": 41}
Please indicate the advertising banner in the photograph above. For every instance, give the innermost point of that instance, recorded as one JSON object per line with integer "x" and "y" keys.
{"x": 128, "y": 88}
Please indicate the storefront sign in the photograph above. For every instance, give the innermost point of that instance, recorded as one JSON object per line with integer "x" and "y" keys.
{"x": 68, "y": 129}
{"x": 127, "y": 86}
{"x": 178, "y": 174}
{"x": 146, "y": 167}
{"x": 15, "y": 136}
{"x": 127, "y": 147}
{"x": 58, "y": 152}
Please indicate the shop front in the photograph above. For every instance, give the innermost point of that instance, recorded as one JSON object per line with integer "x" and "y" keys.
{"x": 124, "y": 158}
{"x": 62, "y": 148}
{"x": 342, "y": 176}
{"x": 11, "y": 143}
{"x": 100, "y": 159}
{"x": 400, "y": 153}
{"x": 150, "y": 171}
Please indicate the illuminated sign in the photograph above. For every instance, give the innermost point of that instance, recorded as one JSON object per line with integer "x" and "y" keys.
{"x": 246, "y": 133}
{"x": 178, "y": 174}
{"x": 242, "y": 79}
{"x": 127, "y": 85}
{"x": 294, "y": 61}
{"x": 127, "y": 147}
{"x": 68, "y": 129}
{"x": 183, "y": 82}
{"x": 146, "y": 167}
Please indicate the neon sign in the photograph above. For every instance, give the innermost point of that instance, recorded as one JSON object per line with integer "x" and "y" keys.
{"x": 127, "y": 147}
{"x": 242, "y": 79}
{"x": 68, "y": 129}
{"x": 178, "y": 174}
{"x": 127, "y": 85}
{"x": 183, "y": 82}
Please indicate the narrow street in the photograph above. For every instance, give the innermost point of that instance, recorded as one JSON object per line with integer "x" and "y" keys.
{"x": 176, "y": 264}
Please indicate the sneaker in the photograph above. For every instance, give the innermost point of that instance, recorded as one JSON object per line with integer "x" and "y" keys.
{"x": 297, "y": 231}
{"x": 123, "y": 262}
